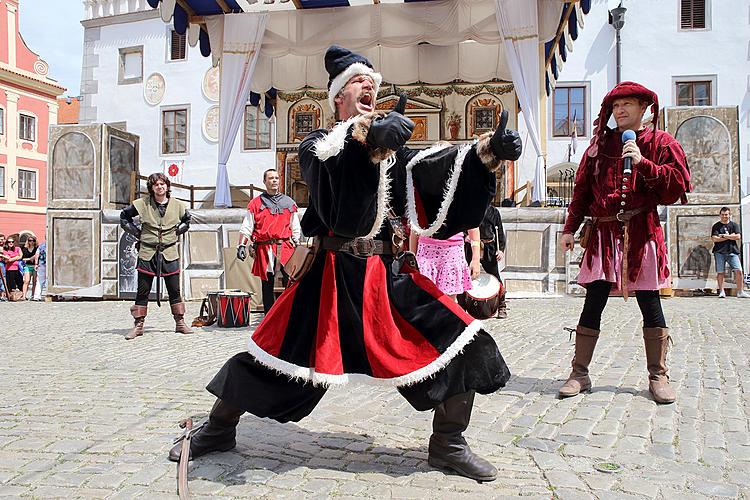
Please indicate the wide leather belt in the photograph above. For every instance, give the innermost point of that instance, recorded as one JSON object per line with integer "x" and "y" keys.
{"x": 361, "y": 247}
{"x": 159, "y": 247}
{"x": 272, "y": 242}
{"x": 623, "y": 217}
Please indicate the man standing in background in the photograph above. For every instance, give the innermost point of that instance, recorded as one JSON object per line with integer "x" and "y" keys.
{"x": 726, "y": 237}
{"x": 271, "y": 230}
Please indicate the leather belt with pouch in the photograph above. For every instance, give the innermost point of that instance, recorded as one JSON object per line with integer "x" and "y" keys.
{"x": 302, "y": 259}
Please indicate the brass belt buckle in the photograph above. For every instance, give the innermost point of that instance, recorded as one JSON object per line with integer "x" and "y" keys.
{"x": 363, "y": 247}
{"x": 619, "y": 215}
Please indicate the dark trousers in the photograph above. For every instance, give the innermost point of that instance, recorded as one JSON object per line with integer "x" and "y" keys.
{"x": 267, "y": 288}
{"x": 14, "y": 279}
{"x": 597, "y": 294}
{"x": 145, "y": 281}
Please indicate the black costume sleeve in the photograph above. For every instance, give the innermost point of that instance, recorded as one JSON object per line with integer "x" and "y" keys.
{"x": 126, "y": 221}
{"x": 474, "y": 190}
{"x": 343, "y": 176}
{"x": 343, "y": 187}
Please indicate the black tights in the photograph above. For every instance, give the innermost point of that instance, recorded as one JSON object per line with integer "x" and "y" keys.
{"x": 144, "y": 288}
{"x": 267, "y": 289}
{"x": 597, "y": 293}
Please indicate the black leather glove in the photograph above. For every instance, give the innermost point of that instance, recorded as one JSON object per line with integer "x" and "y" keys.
{"x": 393, "y": 130}
{"x": 505, "y": 143}
{"x": 130, "y": 227}
{"x": 184, "y": 224}
{"x": 242, "y": 252}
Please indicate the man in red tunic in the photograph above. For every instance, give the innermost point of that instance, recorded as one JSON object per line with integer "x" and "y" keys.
{"x": 271, "y": 229}
{"x": 626, "y": 249}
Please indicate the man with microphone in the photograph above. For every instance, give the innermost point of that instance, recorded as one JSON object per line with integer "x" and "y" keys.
{"x": 624, "y": 174}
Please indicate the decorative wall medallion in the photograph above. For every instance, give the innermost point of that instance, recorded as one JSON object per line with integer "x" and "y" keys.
{"x": 41, "y": 67}
{"x": 154, "y": 89}
{"x": 211, "y": 124}
{"x": 211, "y": 84}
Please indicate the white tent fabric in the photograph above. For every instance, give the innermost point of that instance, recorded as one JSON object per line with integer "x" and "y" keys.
{"x": 432, "y": 42}
{"x": 402, "y": 40}
{"x": 517, "y": 21}
{"x": 242, "y": 35}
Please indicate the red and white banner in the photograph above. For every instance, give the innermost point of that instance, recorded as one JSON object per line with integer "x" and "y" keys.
{"x": 173, "y": 170}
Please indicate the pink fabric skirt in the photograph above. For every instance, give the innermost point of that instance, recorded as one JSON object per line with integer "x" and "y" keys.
{"x": 444, "y": 263}
{"x": 648, "y": 278}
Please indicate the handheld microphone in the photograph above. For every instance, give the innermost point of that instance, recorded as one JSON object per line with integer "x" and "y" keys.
{"x": 627, "y": 163}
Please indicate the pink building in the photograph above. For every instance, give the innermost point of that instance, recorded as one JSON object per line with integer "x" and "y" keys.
{"x": 28, "y": 105}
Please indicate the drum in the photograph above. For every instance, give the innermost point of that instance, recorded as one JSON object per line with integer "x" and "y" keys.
{"x": 233, "y": 309}
{"x": 483, "y": 300}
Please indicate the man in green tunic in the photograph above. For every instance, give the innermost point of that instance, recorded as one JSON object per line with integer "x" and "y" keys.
{"x": 163, "y": 220}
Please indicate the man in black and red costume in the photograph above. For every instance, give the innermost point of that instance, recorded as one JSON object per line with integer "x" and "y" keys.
{"x": 362, "y": 314}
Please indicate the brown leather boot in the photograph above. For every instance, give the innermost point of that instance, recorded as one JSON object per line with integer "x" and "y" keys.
{"x": 448, "y": 449}
{"x": 579, "y": 377}
{"x": 657, "y": 342}
{"x": 217, "y": 434}
{"x": 139, "y": 315}
{"x": 178, "y": 312}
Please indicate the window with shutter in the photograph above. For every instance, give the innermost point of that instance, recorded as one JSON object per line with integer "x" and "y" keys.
{"x": 177, "y": 46}
{"x": 692, "y": 14}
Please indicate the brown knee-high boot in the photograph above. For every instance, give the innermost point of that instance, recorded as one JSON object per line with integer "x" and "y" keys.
{"x": 218, "y": 434}
{"x": 579, "y": 377}
{"x": 139, "y": 315}
{"x": 178, "y": 312}
{"x": 657, "y": 342}
{"x": 448, "y": 449}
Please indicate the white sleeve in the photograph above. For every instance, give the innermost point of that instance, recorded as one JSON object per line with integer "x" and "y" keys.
{"x": 296, "y": 229}
{"x": 248, "y": 224}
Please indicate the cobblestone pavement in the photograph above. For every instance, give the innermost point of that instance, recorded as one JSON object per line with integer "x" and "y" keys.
{"x": 86, "y": 414}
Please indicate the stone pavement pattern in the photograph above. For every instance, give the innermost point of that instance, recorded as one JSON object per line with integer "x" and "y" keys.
{"x": 86, "y": 414}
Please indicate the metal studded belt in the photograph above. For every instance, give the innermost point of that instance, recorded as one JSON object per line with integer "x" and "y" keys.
{"x": 361, "y": 247}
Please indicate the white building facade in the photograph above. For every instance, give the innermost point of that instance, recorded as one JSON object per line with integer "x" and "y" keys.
{"x": 141, "y": 76}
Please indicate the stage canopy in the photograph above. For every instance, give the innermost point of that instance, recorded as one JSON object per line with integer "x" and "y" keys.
{"x": 279, "y": 45}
